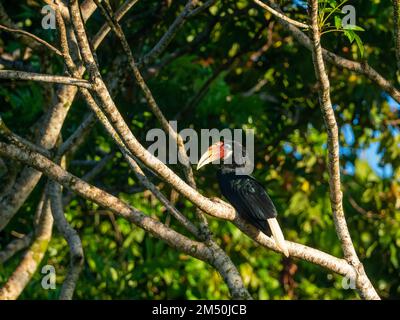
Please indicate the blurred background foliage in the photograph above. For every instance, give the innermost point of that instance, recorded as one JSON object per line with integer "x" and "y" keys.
{"x": 231, "y": 66}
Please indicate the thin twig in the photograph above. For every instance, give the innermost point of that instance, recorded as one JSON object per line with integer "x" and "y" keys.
{"x": 90, "y": 175}
{"x": 52, "y": 122}
{"x": 105, "y": 29}
{"x": 281, "y": 15}
{"x": 170, "y": 34}
{"x": 78, "y": 137}
{"x": 32, "y": 36}
{"x": 362, "y": 68}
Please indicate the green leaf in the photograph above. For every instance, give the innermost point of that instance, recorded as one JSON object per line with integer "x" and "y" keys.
{"x": 393, "y": 256}
{"x": 350, "y": 34}
{"x": 352, "y": 27}
{"x": 371, "y": 249}
{"x": 114, "y": 274}
{"x": 338, "y": 22}
{"x": 332, "y": 3}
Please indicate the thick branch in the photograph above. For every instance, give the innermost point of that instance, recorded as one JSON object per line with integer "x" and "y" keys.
{"x": 32, "y": 258}
{"x": 158, "y": 194}
{"x": 72, "y": 238}
{"x": 133, "y": 164}
{"x": 174, "y": 239}
{"x": 155, "y": 108}
{"x": 50, "y": 127}
{"x": 102, "y": 198}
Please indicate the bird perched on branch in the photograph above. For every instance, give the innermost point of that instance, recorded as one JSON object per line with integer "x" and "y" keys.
{"x": 244, "y": 192}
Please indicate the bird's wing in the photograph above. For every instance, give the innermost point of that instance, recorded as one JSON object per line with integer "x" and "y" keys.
{"x": 261, "y": 209}
{"x": 254, "y": 198}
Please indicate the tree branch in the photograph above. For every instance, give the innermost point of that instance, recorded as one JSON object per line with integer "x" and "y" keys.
{"x": 26, "y": 40}
{"x": 365, "y": 287}
{"x": 14, "y": 246}
{"x": 105, "y": 200}
{"x": 32, "y": 36}
{"x": 78, "y": 137}
{"x": 21, "y": 75}
{"x": 32, "y": 258}
{"x": 49, "y": 128}
{"x": 281, "y": 15}
{"x": 362, "y": 68}
{"x": 170, "y": 34}
{"x": 105, "y": 29}
{"x": 156, "y": 109}
{"x": 174, "y": 239}
{"x": 72, "y": 238}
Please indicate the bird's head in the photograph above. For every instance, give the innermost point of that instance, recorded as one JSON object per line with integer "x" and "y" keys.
{"x": 228, "y": 153}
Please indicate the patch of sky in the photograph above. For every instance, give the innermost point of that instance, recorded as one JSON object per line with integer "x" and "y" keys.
{"x": 394, "y": 105}
{"x": 288, "y": 148}
{"x": 374, "y": 159}
{"x": 370, "y": 153}
{"x": 300, "y": 3}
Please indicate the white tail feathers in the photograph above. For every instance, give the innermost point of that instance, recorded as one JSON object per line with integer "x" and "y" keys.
{"x": 278, "y": 235}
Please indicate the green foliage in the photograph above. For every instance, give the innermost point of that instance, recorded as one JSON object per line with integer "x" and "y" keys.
{"x": 332, "y": 9}
{"x": 272, "y": 91}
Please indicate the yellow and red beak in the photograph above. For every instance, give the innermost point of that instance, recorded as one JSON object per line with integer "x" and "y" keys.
{"x": 215, "y": 152}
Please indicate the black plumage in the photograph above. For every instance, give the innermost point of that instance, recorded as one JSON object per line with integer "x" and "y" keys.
{"x": 245, "y": 193}
{"x": 248, "y": 197}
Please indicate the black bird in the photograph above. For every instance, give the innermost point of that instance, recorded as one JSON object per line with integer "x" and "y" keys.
{"x": 244, "y": 192}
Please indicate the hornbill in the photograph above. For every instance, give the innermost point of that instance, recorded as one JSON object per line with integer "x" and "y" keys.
{"x": 243, "y": 191}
